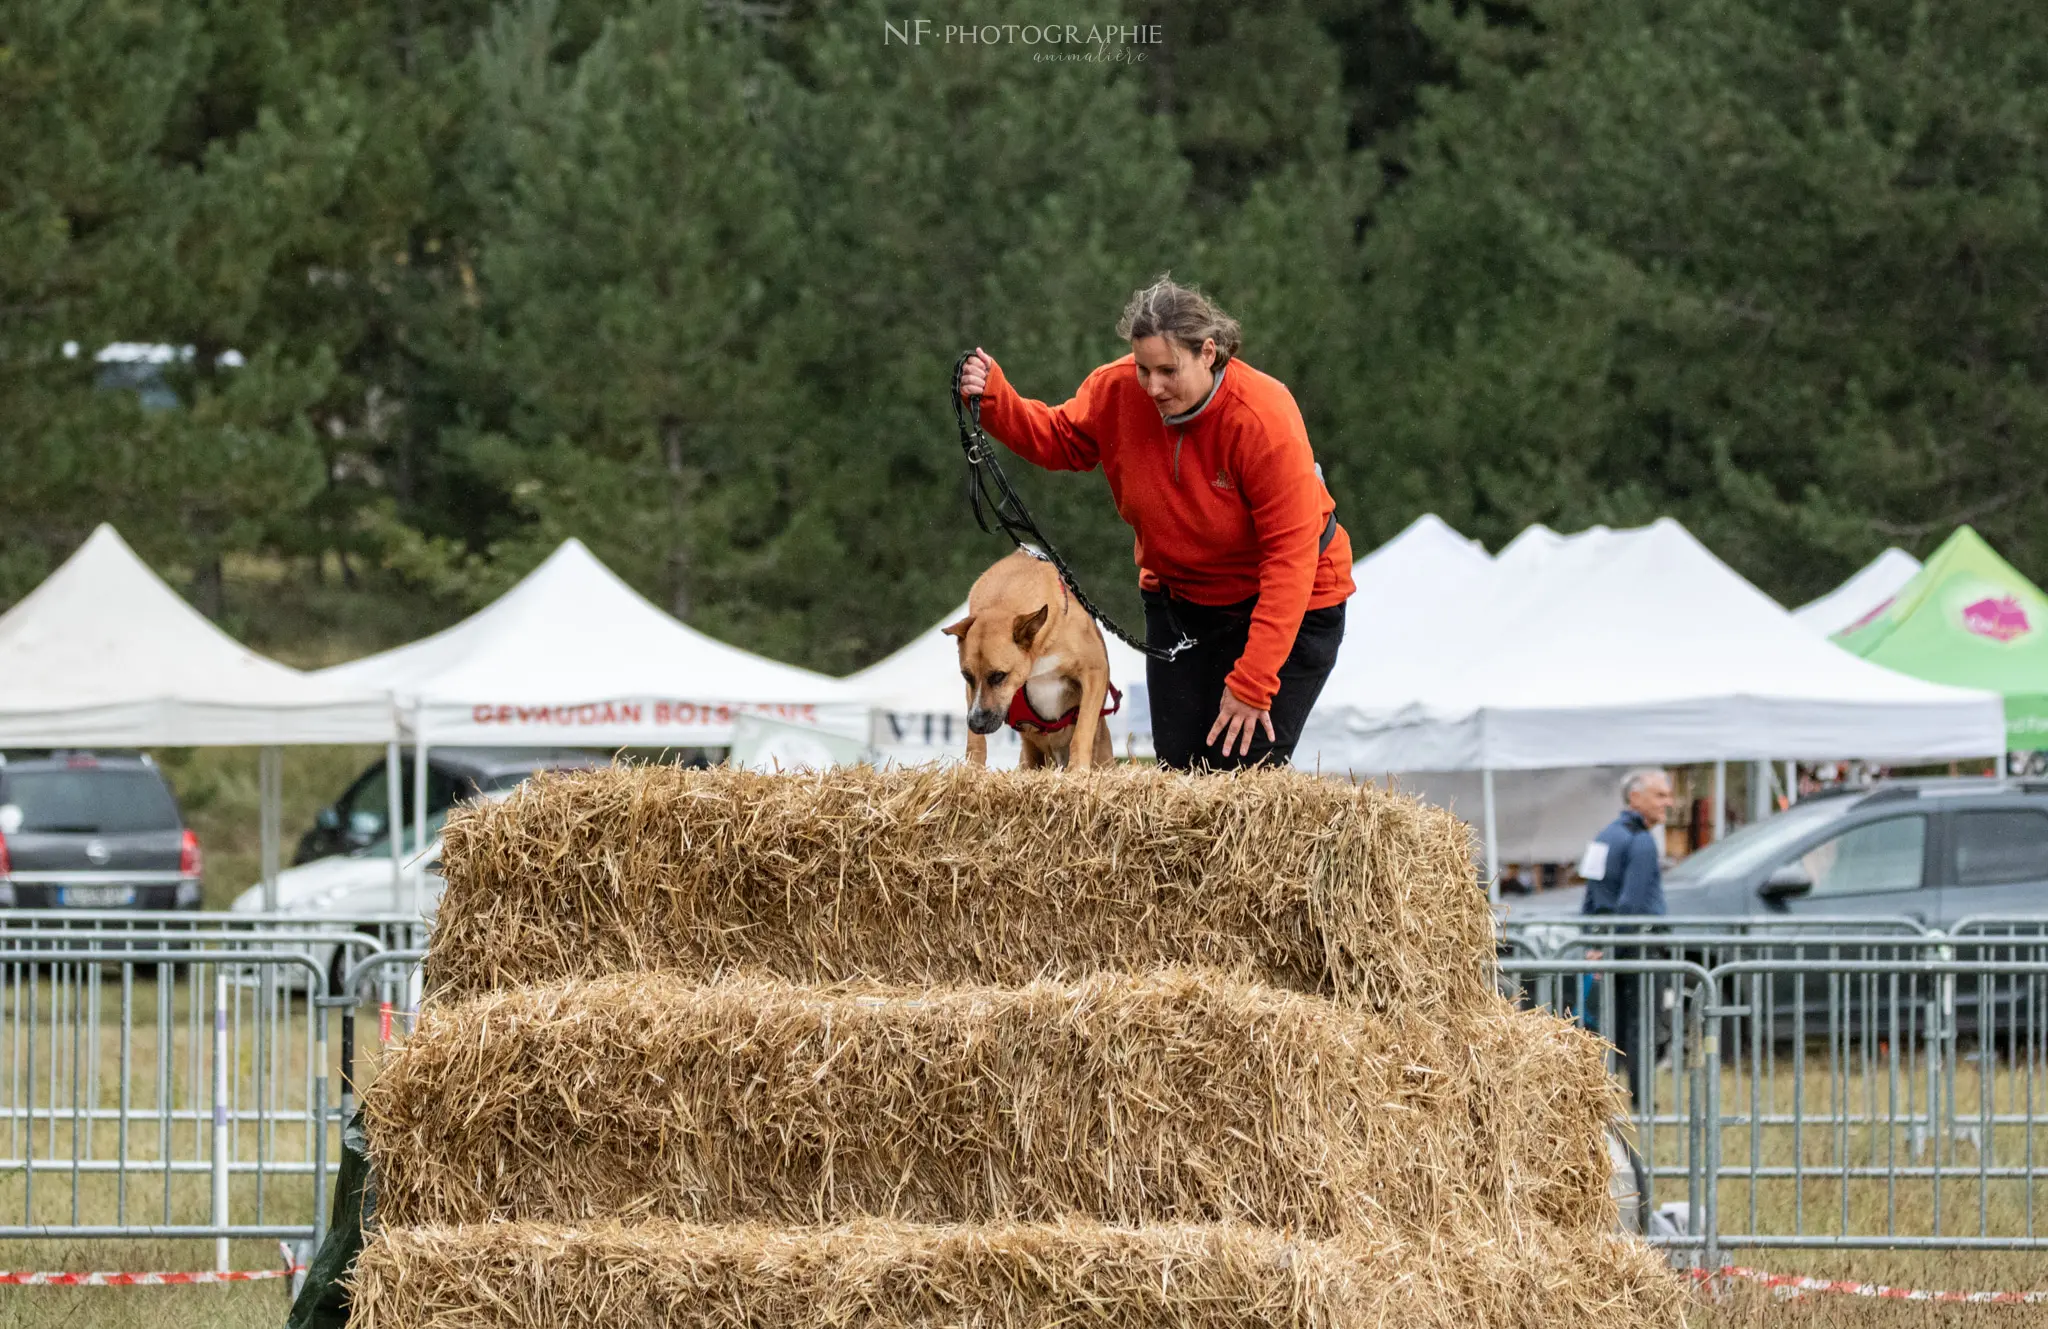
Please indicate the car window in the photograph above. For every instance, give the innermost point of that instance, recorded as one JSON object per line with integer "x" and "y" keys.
{"x": 444, "y": 789}
{"x": 368, "y": 805}
{"x": 1758, "y": 843}
{"x": 1997, "y": 846}
{"x": 92, "y": 801}
{"x": 381, "y": 848}
{"x": 1869, "y": 859}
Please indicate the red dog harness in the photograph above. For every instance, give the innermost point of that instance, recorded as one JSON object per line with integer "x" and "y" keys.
{"x": 1023, "y": 717}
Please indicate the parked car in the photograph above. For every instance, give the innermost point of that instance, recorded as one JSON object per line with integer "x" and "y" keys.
{"x": 357, "y": 819}
{"x": 90, "y": 830}
{"x": 342, "y": 891}
{"x": 1934, "y": 851}
{"x": 346, "y": 889}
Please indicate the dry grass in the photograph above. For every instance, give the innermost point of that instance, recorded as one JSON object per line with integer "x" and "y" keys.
{"x": 1174, "y": 1096}
{"x": 966, "y": 876}
{"x": 876, "y": 1274}
{"x": 1756, "y": 1308}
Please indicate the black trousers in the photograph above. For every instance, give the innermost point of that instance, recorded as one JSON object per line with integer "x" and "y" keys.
{"x": 1634, "y": 1035}
{"x": 1187, "y": 690}
{"x": 1631, "y": 1025}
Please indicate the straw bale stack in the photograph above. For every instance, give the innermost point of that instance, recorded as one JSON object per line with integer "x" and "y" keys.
{"x": 959, "y": 875}
{"x": 1003, "y": 1049}
{"x": 1168, "y": 1097}
{"x": 908, "y": 1276}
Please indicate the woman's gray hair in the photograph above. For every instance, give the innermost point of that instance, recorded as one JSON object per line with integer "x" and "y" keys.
{"x": 1182, "y": 313}
{"x": 1634, "y": 779}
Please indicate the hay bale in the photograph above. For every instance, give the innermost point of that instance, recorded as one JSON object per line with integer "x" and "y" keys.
{"x": 883, "y": 1275}
{"x": 961, "y": 875}
{"x": 1173, "y": 1096}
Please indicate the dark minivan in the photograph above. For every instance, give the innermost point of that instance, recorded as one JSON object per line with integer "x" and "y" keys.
{"x": 84, "y": 830}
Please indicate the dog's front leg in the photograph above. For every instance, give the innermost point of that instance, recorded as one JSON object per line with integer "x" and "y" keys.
{"x": 977, "y": 748}
{"x": 1088, "y": 723}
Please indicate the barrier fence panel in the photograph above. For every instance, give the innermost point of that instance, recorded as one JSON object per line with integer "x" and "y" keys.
{"x": 378, "y": 1004}
{"x": 1828, "y": 1090}
{"x": 1842, "y": 1092}
{"x": 1886, "y": 1104}
{"x": 1671, "y": 1085}
{"x": 1555, "y": 934}
{"x": 162, "y": 1091}
{"x": 168, "y": 1075}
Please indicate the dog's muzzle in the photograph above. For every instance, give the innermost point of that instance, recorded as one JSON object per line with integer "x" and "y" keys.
{"x": 983, "y": 721}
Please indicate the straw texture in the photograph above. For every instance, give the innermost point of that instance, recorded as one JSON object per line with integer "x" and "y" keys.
{"x": 885, "y": 1275}
{"x": 998, "y": 1050}
{"x": 962, "y": 875}
{"x": 1173, "y": 1096}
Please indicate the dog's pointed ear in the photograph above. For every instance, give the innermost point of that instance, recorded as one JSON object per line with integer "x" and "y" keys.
{"x": 1027, "y": 626}
{"x": 958, "y": 629}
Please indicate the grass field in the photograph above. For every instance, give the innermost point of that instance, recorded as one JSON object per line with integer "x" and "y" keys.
{"x": 1749, "y": 1308}
{"x": 217, "y": 788}
{"x": 265, "y": 1303}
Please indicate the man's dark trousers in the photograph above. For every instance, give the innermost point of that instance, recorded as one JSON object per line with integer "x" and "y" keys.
{"x": 1634, "y": 1034}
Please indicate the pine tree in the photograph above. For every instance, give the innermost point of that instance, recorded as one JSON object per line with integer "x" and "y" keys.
{"x": 637, "y": 236}
{"x": 958, "y": 196}
{"x": 1766, "y": 267}
{"x": 158, "y": 191}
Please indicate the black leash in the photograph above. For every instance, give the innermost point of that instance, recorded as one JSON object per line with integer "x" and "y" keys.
{"x": 990, "y": 495}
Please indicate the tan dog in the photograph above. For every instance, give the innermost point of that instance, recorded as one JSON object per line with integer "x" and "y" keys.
{"x": 1023, "y": 632}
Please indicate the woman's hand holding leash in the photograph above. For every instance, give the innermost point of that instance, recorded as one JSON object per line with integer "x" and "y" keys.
{"x": 974, "y": 376}
{"x": 1233, "y": 717}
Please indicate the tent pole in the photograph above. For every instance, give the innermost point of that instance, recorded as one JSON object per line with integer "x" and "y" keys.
{"x": 270, "y": 818}
{"x": 1759, "y": 790}
{"x": 1492, "y": 839}
{"x": 1791, "y": 783}
{"x": 1720, "y": 799}
{"x": 394, "y": 818}
{"x": 419, "y": 802}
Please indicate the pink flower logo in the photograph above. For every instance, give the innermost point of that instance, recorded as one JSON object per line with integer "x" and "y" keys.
{"x": 2000, "y": 619}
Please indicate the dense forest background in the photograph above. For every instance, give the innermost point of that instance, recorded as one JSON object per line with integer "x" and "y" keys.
{"x": 685, "y": 278}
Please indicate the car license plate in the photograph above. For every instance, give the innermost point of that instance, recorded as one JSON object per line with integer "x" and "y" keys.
{"x": 99, "y": 897}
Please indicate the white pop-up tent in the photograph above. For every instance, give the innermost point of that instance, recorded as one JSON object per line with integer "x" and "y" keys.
{"x": 1420, "y": 608}
{"x": 920, "y": 704}
{"x": 1856, "y": 599}
{"x": 1636, "y": 646}
{"x": 574, "y": 656}
{"x": 1617, "y": 647}
{"x": 104, "y": 654}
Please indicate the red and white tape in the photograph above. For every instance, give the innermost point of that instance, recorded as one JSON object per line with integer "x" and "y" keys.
{"x": 101, "y": 1278}
{"x": 1799, "y": 1284}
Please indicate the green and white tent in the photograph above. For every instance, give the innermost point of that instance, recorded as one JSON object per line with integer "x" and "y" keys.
{"x": 1967, "y": 618}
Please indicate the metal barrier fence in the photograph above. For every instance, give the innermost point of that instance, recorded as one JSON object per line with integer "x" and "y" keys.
{"x": 1842, "y": 1090}
{"x": 1793, "y": 1085}
{"x": 173, "y": 1076}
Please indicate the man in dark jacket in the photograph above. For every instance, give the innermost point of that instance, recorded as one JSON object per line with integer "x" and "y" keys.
{"x": 1624, "y": 875}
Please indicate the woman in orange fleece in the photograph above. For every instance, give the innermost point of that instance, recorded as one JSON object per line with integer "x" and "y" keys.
{"x": 1238, "y": 543}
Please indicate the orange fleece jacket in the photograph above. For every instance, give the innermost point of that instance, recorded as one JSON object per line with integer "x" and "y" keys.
{"x": 1226, "y": 506}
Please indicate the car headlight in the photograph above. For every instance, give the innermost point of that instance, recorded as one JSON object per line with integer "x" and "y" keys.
{"x": 187, "y": 897}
